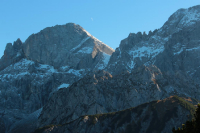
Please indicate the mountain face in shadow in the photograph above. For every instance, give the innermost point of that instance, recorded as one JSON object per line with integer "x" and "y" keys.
{"x": 62, "y": 74}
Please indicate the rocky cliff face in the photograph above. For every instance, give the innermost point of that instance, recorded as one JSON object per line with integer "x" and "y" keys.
{"x": 161, "y": 63}
{"x": 157, "y": 116}
{"x": 12, "y": 54}
{"x": 54, "y": 74}
{"x": 67, "y": 45}
{"x": 52, "y": 59}
{"x": 174, "y": 47}
{"x": 101, "y": 93}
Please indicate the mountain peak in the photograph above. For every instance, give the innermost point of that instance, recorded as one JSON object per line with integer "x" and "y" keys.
{"x": 17, "y": 45}
{"x": 181, "y": 19}
{"x": 56, "y": 71}
{"x": 70, "y": 42}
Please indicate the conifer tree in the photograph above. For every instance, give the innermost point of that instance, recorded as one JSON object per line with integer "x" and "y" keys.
{"x": 190, "y": 126}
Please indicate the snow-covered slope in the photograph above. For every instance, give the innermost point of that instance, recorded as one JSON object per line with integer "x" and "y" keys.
{"x": 182, "y": 19}
{"x": 179, "y": 35}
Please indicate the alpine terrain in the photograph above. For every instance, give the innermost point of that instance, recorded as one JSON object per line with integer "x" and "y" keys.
{"x": 63, "y": 79}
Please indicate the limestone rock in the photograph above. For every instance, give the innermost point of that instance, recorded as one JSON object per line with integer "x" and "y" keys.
{"x": 32, "y": 71}
{"x": 156, "y": 116}
{"x": 65, "y": 45}
{"x": 12, "y": 54}
{"x": 56, "y": 72}
{"x": 175, "y": 46}
{"x": 101, "y": 92}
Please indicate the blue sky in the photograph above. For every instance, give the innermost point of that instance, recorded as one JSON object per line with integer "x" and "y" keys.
{"x": 108, "y": 20}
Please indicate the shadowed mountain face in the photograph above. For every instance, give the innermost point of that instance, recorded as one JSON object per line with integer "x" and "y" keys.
{"x": 101, "y": 93}
{"x": 63, "y": 72}
{"x": 47, "y": 61}
{"x": 66, "y": 45}
{"x": 156, "y": 116}
{"x": 60, "y": 46}
{"x": 173, "y": 47}
{"x": 12, "y": 53}
{"x": 161, "y": 63}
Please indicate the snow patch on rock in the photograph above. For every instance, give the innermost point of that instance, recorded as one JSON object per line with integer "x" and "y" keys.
{"x": 191, "y": 49}
{"x": 47, "y": 68}
{"x": 64, "y": 85}
{"x": 75, "y": 72}
{"x": 97, "y": 40}
{"x": 86, "y": 50}
{"x": 80, "y": 44}
{"x": 104, "y": 63}
{"x": 65, "y": 67}
{"x": 190, "y": 17}
{"x": 106, "y": 58}
{"x": 145, "y": 51}
{"x": 24, "y": 63}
